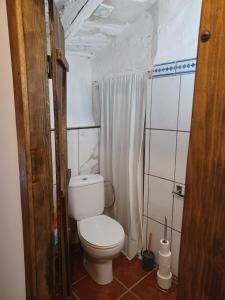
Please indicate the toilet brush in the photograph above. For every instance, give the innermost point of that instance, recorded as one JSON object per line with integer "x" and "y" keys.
{"x": 149, "y": 242}
{"x": 148, "y": 257}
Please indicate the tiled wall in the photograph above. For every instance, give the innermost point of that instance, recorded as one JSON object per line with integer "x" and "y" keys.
{"x": 83, "y": 151}
{"x": 168, "y": 119}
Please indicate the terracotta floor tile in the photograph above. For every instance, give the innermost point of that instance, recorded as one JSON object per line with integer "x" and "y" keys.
{"x": 87, "y": 289}
{"x": 147, "y": 289}
{"x": 77, "y": 269}
{"x": 74, "y": 297}
{"x": 128, "y": 296}
{"x": 128, "y": 272}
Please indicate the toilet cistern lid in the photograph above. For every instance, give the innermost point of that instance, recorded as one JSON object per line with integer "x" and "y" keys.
{"x": 83, "y": 180}
{"x": 101, "y": 231}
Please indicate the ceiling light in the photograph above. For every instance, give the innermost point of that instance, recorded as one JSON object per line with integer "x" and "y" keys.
{"x": 103, "y": 11}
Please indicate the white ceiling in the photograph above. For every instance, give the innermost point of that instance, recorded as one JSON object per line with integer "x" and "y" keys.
{"x": 87, "y": 34}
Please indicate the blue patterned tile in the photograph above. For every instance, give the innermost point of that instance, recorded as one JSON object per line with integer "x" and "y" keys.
{"x": 164, "y": 69}
{"x": 186, "y": 66}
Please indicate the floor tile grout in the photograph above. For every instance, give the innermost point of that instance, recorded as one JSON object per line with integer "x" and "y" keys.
{"x": 131, "y": 287}
{"x": 135, "y": 295}
{"x": 75, "y": 282}
{"x": 75, "y": 295}
{"x": 123, "y": 294}
{"x": 129, "y": 292}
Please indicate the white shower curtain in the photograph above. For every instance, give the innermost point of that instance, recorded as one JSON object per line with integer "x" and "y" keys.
{"x": 123, "y": 101}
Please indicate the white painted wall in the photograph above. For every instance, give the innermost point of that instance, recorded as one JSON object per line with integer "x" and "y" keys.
{"x": 12, "y": 273}
{"x": 131, "y": 51}
{"x": 167, "y": 31}
{"x": 177, "y": 30}
{"x": 79, "y": 92}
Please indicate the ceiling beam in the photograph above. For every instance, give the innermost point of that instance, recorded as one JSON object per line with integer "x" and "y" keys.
{"x": 83, "y": 15}
{"x": 70, "y": 11}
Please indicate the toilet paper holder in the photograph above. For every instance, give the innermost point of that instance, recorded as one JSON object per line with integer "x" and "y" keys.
{"x": 179, "y": 191}
{"x": 178, "y": 194}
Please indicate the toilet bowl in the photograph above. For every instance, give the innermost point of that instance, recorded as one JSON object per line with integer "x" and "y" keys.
{"x": 102, "y": 238}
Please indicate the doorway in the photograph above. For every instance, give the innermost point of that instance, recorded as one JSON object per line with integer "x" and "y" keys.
{"x": 165, "y": 133}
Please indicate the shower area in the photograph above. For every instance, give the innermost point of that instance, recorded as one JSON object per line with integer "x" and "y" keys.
{"x": 130, "y": 92}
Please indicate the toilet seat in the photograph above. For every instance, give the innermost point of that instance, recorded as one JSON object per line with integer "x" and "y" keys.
{"x": 101, "y": 232}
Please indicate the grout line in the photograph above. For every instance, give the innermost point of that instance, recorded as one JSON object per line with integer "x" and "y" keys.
{"x": 163, "y": 178}
{"x": 173, "y": 74}
{"x": 164, "y": 129}
{"x": 160, "y": 177}
{"x": 75, "y": 295}
{"x": 175, "y": 62}
{"x": 135, "y": 295}
{"x": 123, "y": 294}
{"x": 78, "y": 139}
{"x": 121, "y": 283}
{"x": 161, "y": 223}
{"x": 136, "y": 283}
{"x": 175, "y": 166}
{"x": 149, "y": 160}
{"x": 75, "y": 282}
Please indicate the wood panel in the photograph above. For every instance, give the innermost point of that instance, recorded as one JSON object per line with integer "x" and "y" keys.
{"x": 28, "y": 51}
{"x": 59, "y": 80}
{"x": 202, "y": 261}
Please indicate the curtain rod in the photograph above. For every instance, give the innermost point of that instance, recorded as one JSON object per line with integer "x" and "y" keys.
{"x": 147, "y": 73}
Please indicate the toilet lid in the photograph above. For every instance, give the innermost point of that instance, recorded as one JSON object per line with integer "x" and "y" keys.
{"x": 101, "y": 231}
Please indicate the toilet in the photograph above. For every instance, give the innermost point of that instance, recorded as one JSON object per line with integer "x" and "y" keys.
{"x": 102, "y": 238}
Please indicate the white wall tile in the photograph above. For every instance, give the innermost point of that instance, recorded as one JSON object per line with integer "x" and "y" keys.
{"x": 181, "y": 157}
{"x": 175, "y": 249}
{"x": 160, "y": 199}
{"x": 148, "y": 104}
{"x": 72, "y": 142}
{"x": 147, "y": 140}
{"x": 162, "y": 153}
{"x": 165, "y": 99}
{"x": 157, "y": 231}
{"x": 178, "y": 211}
{"x": 186, "y": 100}
{"x": 89, "y": 151}
{"x": 145, "y": 208}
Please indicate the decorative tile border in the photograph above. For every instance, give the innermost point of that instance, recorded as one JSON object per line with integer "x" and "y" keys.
{"x": 176, "y": 67}
{"x": 186, "y": 66}
{"x": 164, "y": 69}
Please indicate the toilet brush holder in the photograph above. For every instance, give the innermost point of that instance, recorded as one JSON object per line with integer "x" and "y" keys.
{"x": 148, "y": 257}
{"x": 148, "y": 260}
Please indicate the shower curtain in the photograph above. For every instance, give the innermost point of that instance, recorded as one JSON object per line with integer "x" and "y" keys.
{"x": 123, "y": 101}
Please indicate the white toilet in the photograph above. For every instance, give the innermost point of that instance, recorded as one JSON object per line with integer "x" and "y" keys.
{"x": 102, "y": 237}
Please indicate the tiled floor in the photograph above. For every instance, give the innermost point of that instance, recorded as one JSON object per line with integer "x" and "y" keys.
{"x": 130, "y": 282}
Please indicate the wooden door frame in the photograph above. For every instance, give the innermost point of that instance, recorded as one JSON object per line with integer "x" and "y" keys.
{"x": 202, "y": 258}
{"x": 27, "y": 31}
{"x": 26, "y": 21}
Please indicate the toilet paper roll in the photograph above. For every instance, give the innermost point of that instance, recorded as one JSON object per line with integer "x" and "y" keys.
{"x": 165, "y": 259}
{"x": 164, "y": 270}
{"x": 164, "y": 246}
{"x": 164, "y": 264}
{"x": 164, "y": 282}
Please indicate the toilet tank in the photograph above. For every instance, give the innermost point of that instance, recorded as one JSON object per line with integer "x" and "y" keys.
{"x": 86, "y": 196}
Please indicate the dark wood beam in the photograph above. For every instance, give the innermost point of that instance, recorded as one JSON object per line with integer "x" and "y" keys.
{"x": 27, "y": 34}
